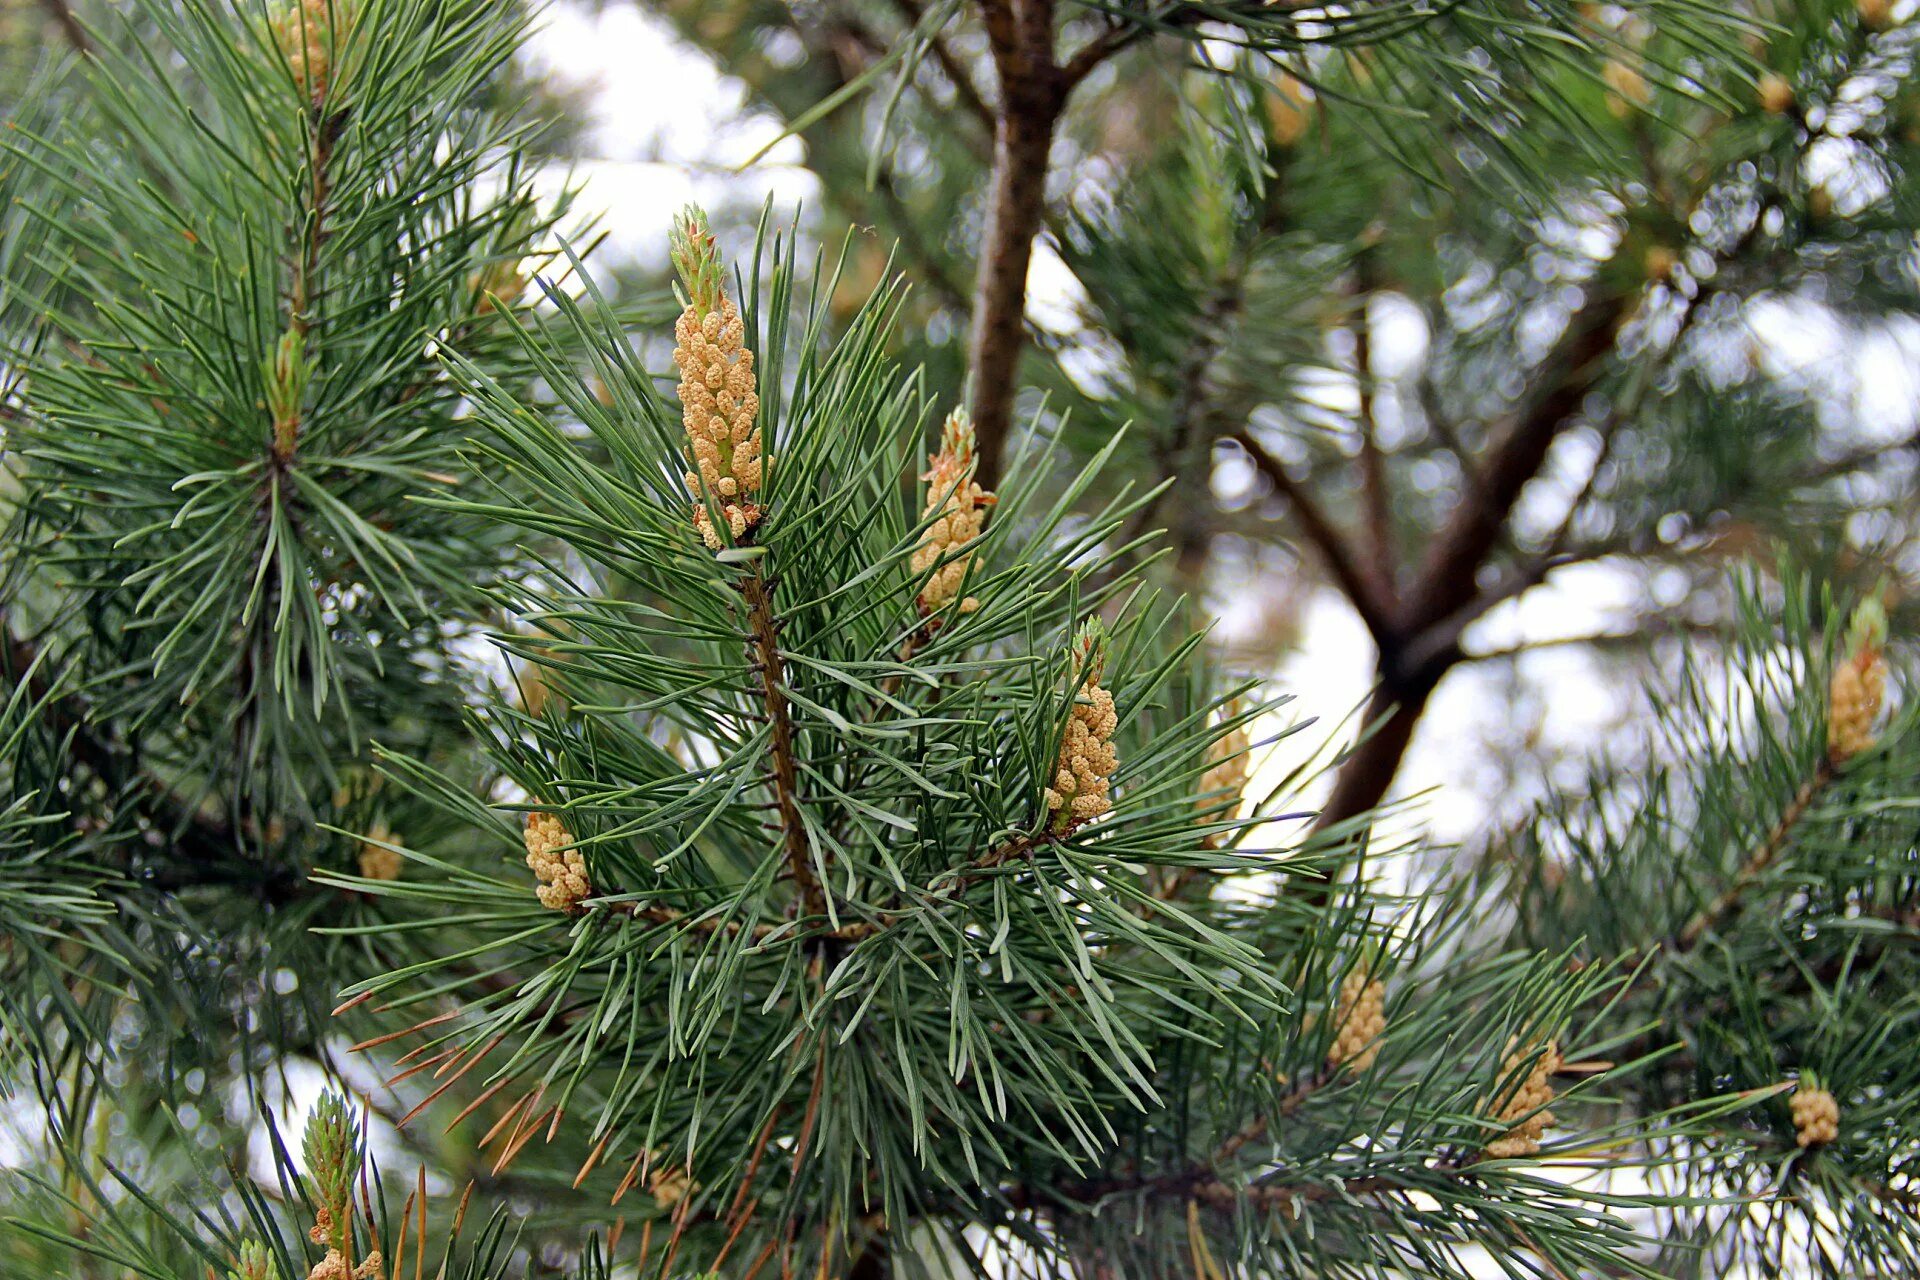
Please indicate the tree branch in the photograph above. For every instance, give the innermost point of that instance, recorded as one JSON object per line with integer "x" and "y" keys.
{"x": 1368, "y": 597}
{"x": 956, "y": 71}
{"x": 62, "y": 14}
{"x": 1373, "y": 464}
{"x": 1032, "y": 93}
{"x": 1446, "y": 577}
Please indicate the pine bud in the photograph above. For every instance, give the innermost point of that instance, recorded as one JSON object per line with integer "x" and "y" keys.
{"x": 1859, "y": 684}
{"x": 377, "y": 861}
{"x": 1530, "y": 1095}
{"x": 1086, "y": 762}
{"x": 957, "y": 507}
{"x": 1816, "y": 1114}
{"x": 537, "y": 690}
{"x": 1627, "y": 89}
{"x": 560, "y": 868}
{"x": 287, "y": 375}
{"x": 251, "y": 1264}
{"x": 499, "y": 284}
{"x": 306, "y": 34}
{"x": 1361, "y": 1019}
{"x": 719, "y": 399}
{"x": 332, "y": 1148}
{"x": 1776, "y": 95}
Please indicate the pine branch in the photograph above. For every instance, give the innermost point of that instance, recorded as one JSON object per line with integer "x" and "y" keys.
{"x": 1729, "y": 903}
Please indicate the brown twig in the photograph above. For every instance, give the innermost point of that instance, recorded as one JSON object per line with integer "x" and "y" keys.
{"x": 764, "y": 629}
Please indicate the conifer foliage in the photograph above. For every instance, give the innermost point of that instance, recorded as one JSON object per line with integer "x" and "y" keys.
{"x": 670, "y": 790}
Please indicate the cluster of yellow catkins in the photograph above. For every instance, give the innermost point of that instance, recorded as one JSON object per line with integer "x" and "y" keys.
{"x": 1816, "y": 1117}
{"x": 1859, "y": 685}
{"x": 1362, "y": 1020}
{"x": 1530, "y": 1095}
{"x": 957, "y": 506}
{"x": 560, "y": 869}
{"x": 304, "y": 35}
{"x": 334, "y": 1265}
{"x": 377, "y": 861}
{"x": 719, "y": 401}
{"x": 1087, "y": 759}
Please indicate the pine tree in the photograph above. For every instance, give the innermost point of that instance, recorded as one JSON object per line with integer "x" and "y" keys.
{"x": 712, "y": 791}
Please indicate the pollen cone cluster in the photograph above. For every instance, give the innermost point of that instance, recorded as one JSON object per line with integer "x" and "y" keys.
{"x": 1087, "y": 759}
{"x": 957, "y": 506}
{"x": 1535, "y": 1091}
{"x": 559, "y": 868}
{"x": 1859, "y": 685}
{"x": 304, "y": 34}
{"x": 719, "y": 402}
{"x": 1362, "y": 1015}
{"x": 334, "y": 1267}
{"x": 1289, "y": 110}
{"x": 1816, "y": 1117}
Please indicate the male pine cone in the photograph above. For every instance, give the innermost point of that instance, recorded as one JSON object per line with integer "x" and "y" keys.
{"x": 957, "y": 507}
{"x": 1859, "y": 685}
{"x": 1361, "y": 1020}
{"x": 1524, "y": 1107}
{"x": 719, "y": 399}
{"x": 557, "y": 865}
{"x": 1082, "y": 773}
{"x": 304, "y": 33}
{"x": 1816, "y": 1117}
